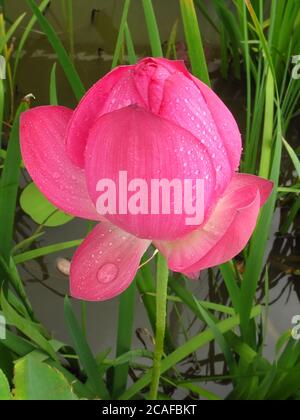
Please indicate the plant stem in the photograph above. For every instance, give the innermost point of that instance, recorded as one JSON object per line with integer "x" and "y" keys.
{"x": 161, "y": 315}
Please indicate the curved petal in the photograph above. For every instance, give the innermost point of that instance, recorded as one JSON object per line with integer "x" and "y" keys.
{"x": 264, "y": 186}
{"x": 234, "y": 240}
{"x": 240, "y": 204}
{"x": 147, "y": 148}
{"x": 106, "y": 263}
{"x": 114, "y": 91}
{"x": 184, "y": 104}
{"x": 42, "y": 133}
{"x": 150, "y": 75}
{"x": 225, "y": 123}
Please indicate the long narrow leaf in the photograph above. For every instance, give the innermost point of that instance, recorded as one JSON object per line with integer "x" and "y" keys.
{"x": 194, "y": 40}
{"x": 121, "y": 34}
{"x": 84, "y": 352}
{"x": 9, "y": 185}
{"x": 124, "y": 338}
{"x": 153, "y": 30}
{"x": 58, "y": 47}
{"x": 41, "y": 252}
{"x": 25, "y": 36}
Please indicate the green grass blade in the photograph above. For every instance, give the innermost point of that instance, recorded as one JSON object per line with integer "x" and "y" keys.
{"x": 27, "y": 327}
{"x": 84, "y": 352}
{"x": 171, "y": 47}
{"x": 227, "y": 271}
{"x": 202, "y": 392}
{"x": 153, "y": 30}
{"x": 124, "y": 338}
{"x": 120, "y": 39}
{"x": 25, "y": 36}
{"x": 53, "y": 90}
{"x": 254, "y": 263}
{"x": 291, "y": 216}
{"x": 202, "y": 7}
{"x": 5, "y": 394}
{"x": 10, "y": 273}
{"x": 70, "y": 20}
{"x": 218, "y": 336}
{"x": 132, "y": 58}
{"x": 4, "y": 40}
{"x": 2, "y": 104}
{"x": 194, "y": 40}
{"x": 63, "y": 57}
{"x": 41, "y": 252}
{"x": 267, "y": 142}
{"x": 9, "y": 185}
{"x": 264, "y": 42}
{"x": 293, "y": 156}
{"x": 246, "y": 50}
{"x": 234, "y": 34}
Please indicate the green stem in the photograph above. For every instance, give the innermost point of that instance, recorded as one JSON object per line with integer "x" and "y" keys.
{"x": 161, "y": 315}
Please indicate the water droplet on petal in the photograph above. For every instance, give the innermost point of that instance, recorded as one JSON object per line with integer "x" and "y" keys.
{"x": 107, "y": 273}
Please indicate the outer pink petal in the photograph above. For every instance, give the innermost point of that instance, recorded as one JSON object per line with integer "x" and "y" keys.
{"x": 234, "y": 240}
{"x": 114, "y": 91}
{"x": 239, "y": 205}
{"x": 264, "y": 186}
{"x": 106, "y": 263}
{"x": 146, "y": 147}
{"x": 225, "y": 123}
{"x": 42, "y": 133}
{"x": 184, "y": 104}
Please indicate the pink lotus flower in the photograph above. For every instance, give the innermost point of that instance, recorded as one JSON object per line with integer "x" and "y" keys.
{"x": 153, "y": 119}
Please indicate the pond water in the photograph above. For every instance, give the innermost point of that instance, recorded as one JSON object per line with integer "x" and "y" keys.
{"x": 95, "y": 35}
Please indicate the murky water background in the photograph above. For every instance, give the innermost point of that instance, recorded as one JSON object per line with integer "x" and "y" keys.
{"x": 94, "y": 45}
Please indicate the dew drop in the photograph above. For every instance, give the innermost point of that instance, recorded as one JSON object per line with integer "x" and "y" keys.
{"x": 107, "y": 273}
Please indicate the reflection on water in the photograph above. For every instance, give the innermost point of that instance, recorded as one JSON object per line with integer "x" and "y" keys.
{"x": 95, "y": 35}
